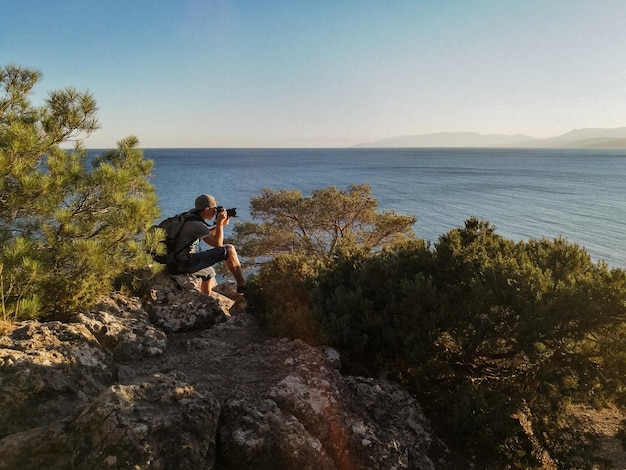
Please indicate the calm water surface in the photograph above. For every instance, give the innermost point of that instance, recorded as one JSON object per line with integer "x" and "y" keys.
{"x": 525, "y": 193}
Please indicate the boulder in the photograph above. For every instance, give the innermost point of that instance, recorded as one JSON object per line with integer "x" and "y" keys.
{"x": 257, "y": 434}
{"x": 46, "y": 370}
{"x": 160, "y": 423}
{"x": 123, "y": 327}
{"x": 175, "y": 303}
{"x": 315, "y": 418}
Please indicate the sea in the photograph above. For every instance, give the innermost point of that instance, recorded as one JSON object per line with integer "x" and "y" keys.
{"x": 577, "y": 194}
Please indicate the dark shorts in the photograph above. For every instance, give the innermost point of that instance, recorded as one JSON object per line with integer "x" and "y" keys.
{"x": 199, "y": 263}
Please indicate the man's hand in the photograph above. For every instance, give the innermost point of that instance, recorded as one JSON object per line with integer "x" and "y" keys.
{"x": 222, "y": 218}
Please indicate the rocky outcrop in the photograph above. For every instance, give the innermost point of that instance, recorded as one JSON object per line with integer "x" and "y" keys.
{"x": 178, "y": 382}
{"x": 176, "y": 304}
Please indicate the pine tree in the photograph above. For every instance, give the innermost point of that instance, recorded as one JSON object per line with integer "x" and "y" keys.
{"x": 70, "y": 224}
{"x": 329, "y": 221}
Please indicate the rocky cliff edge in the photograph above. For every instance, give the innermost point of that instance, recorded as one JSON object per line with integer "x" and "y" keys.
{"x": 181, "y": 380}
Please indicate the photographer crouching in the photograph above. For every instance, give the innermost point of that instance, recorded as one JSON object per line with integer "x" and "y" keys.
{"x": 188, "y": 257}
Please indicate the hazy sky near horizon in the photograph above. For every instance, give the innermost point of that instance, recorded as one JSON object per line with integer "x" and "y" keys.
{"x": 325, "y": 73}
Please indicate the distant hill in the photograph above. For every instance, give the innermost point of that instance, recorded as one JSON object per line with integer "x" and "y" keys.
{"x": 451, "y": 139}
{"x": 590, "y": 137}
{"x": 578, "y": 138}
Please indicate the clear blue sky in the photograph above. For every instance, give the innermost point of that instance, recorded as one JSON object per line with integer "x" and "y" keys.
{"x": 268, "y": 73}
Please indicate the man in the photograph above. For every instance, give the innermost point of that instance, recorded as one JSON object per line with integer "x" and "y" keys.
{"x": 198, "y": 263}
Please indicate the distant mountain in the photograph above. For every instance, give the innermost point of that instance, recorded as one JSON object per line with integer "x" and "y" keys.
{"x": 578, "y": 138}
{"x": 589, "y": 137}
{"x": 451, "y": 139}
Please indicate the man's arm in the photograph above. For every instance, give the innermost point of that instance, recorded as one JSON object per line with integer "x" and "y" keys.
{"x": 216, "y": 234}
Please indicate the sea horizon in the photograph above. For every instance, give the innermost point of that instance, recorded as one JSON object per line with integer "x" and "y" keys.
{"x": 525, "y": 193}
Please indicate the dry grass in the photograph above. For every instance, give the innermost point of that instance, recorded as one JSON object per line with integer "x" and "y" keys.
{"x": 6, "y": 327}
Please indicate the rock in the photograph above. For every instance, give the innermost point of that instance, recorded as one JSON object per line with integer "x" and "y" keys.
{"x": 175, "y": 303}
{"x": 257, "y": 434}
{"x": 227, "y": 292}
{"x": 177, "y": 382}
{"x": 162, "y": 423}
{"x": 395, "y": 429}
{"x": 361, "y": 423}
{"x": 39, "y": 448}
{"x": 46, "y": 370}
{"x": 122, "y": 326}
{"x": 336, "y": 421}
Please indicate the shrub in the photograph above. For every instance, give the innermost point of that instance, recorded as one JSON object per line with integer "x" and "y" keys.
{"x": 280, "y": 294}
{"x": 67, "y": 231}
{"x": 496, "y": 338}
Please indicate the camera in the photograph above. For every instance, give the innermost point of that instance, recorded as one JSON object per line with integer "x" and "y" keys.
{"x": 229, "y": 212}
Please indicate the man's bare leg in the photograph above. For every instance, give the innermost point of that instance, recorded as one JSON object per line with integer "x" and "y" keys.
{"x": 207, "y": 285}
{"x": 234, "y": 266}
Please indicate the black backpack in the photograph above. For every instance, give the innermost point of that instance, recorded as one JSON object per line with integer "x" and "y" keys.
{"x": 172, "y": 226}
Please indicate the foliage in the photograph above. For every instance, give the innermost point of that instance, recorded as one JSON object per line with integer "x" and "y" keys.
{"x": 67, "y": 231}
{"x": 327, "y": 222}
{"x": 280, "y": 295}
{"x": 495, "y": 337}
{"x": 303, "y": 235}
{"x": 522, "y": 329}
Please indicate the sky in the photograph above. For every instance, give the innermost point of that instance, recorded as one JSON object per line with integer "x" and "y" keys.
{"x": 325, "y": 73}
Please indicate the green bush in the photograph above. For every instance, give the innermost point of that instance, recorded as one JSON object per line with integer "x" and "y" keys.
{"x": 494, "y": 337}
{"x": 68, "y": 227}
{"x": 280, "y": 294}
